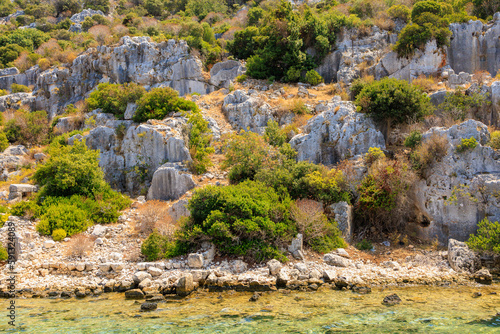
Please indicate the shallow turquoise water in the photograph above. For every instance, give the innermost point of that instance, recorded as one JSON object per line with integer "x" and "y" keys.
{"x": 423, "y": 310}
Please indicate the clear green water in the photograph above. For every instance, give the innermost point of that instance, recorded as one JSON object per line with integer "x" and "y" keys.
{"x": 423, "y": 310}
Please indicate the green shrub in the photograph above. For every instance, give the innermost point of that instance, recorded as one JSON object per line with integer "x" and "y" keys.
{"x": 25, "y": 209}
{"x": 313, "y": 78}
{"x": 487, "y": 237}
{"x": 102, "y": 5}
{"x": 358, "y": 84}
{"x": 71, "y": 170}
{"x": 202, "y": 8}
{"x": 239, "y": 78}
{"x": 4, "y": 255}
{"x": 457, "y": 104}
{"x": 485, "y": 9}
{"x": 4, "y": 142}
{"x": 199, "y": 142}
{"x": 29, "y": 39}
{"x": 158, "y": 246}
{"x": 393, "y": 101}
{"x": 274, "y": 134}
{"x": 16, "y": 88}
{"x": 113, "y": 98}
{"x": 72, "y": 6}
{"x": 6, "y": 8}
{"x": 364, "y": 245}
{"x": 374, "y": 154}
{"x": 425, "y": 7}
{"x": 467, "y": 144}
{"x": 64, "y": 216}
{"x": 159, "y": 103}
{"x": 58, "y": 234}
{"x": 4, "y": 92}
{"x": 399, "y": 12}
{"x": 495, "y": 140}
{"x": 248, "y": 219}
{"x": 413, "y": 139}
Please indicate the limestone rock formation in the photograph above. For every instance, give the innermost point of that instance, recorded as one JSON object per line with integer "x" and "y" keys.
{"x": 336, "y": 134}
{"x": 245, "y": 112}
{"x": 169, "y": 184}
{"x": 223, "y": 73}
{"x": 80, "y": 17}
{"x": 131, "y": 153}
{"x": 16, "y": 101}
{"x": 459, "y": 190}
{"x": 460, "y": 257}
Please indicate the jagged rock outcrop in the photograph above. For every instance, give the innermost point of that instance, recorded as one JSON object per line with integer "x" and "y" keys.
{"x": 17, "y": 100}
{"x": 223, "y": 73}
{"x": 12, "y": 75}
{"x": 246, "y": 112}
{"x": 474, "y": 46}
{"x": 131, "y": 153}
{"x": 460, "y": 189}
{"x": 461, "y": 258}
{"x": 11, "y": 159}
{"x": 80, "y": 17}
{"x": 134, "y": 59}
{"x": 169, "y": 183}
{"x": 423, "y": 62}
{"x": 336, "y": 134}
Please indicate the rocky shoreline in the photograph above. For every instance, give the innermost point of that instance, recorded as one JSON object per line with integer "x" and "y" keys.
{"x": 45, "y": 270}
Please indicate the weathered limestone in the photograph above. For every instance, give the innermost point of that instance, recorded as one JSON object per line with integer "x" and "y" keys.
{"x": 336, "y": 134}
{"x": 343, "y": 215}
{"x": 20, "y": 191}
{"x": 245, "y": 112}
{"x": 185, "y": 285}
{"x": 169, "y": 184}
{"x": 16, "y": 101}
{"x": 223, "y": 73}
{"x": 459, "y": 190}
{"x": 336, "y": 260}
{"x": 195, "y": 260}
{"x": 460, "y": 257}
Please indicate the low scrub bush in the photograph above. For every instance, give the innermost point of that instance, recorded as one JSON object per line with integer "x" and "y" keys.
{"x": 199, "y": 142}
{"x": 4, "y": 255}
{"x": 159, "y": 103}
{"x": 4, "y": 142}
{"x": 487, "y": 237}
{"x": 313, "y": 78}
{"x": 495, "y": 140}
{"x": 399, "y": 12}
{"x": 80, "y": 245}
{"x": 28, "y": 128}
{"x": 364, "y": 245}
{"x": 16, "y": 88}
{"x": 58, "y": 234}
{"x": 150, "y": 214}
{"x": 457, "y": 105}
{"x": 63, "y": 216}
{"x": 113, "y": 98}
{"x": 413, "y": 139}
{"x": 467, "y": 144}
{"x": 427, "y": 153}
{"x": 374, "y": 154}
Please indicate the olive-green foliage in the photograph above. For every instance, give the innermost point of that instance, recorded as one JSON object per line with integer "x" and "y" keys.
{"x": 8, "y": 54}
{"x": 16, "y": 88}
{"x": 413, "y": 139}
{"x": 467, "y": 144}
{"x": 495, "y": 140}
{"x": 374, "y": 154}
{"x": 4, "y": 142}
{"x": 159, "y": 103}
{"x": 29, "y": 39}
{"x": 199, "y": 142}
{"x": 71, "y": 170}
{"x": 40, "y": 10}
{"x": 248, "y": 219}
{"x": 154, "y": 7}
{"x": 487, "y": 237}
{"x": 6, "y": 8}
{"x": 364, "y": 245}
{"x": 158, "y": 246}
{"x": 4, "y": 255}
{"x": 313, "y": 78}
{"x": 28, "y": 128}
{"x": 358, "y": 84}
{"x": 67, "y": 217}
{"x": 72, "y": 6}
{"x": 58, "y": 234}
{"x": 362, "y": 8}
{"x": 486, "y": 8}
{"x": 4, "y": 92}
{"x": 426, "y": 7}
{"x": 202, "y": 37}
{"x": 277, "y": 46}
{"x": 102, "y": 5}
{"x": 113, "y": 98}
{"x": 274, "y": 134}
{"x": 457, "y": 104}
{"x": 399, "y": 12}
{"x": 394, "y": 101}
{"x": 28, "y": 208}
{"x": 201, "y": 8}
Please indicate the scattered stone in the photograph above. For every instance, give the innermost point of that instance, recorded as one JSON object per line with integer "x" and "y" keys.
{"x": 48, "y": 244}
{"x": 392, "y": 300}
{"x": 336, "y": 260}
{"x": 134, "y": 294}
{"x": 476, "y": 294}
{"x": 155, "y": 271}
{"x": 140, "y": 276}
{"x": 185, "y": 285}
{"x": 274, "y": 266}
{"x": 255, "y": 297}
{"x": 145, "y": 283}
{"x": 195, "y": 260}
{"x": 239, "y": 266}
{"x": 148, "y": 306}
{"x": 483, "y": 276}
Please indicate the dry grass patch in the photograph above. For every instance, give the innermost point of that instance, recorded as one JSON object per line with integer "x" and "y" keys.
{"x": 80, "y": 245}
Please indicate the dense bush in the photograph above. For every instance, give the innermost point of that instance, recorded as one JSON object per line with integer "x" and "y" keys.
{"x": 202, "y": 8}
{"x": 6, "y": 8}
{"x": 16, "y": 88}
{"x": 67, "y": 217}
{"x": 457, "y": 105}
{"x": 393, "y": 101}
{"x": 159, "y": 103}
{"x": 313, "y": 78}
{"x": 374, "y": 154}
{"x": 4, "y": 142}
{"x": 71, "y": 170}
{"x": 113, "y": 98}
{"x": 199, "y": 142}
{"x": 399, "y": 12}
{"x": 29, "y": 39}
{"x": 4, "y": 255}
{"x": 102, "y": 5}
{"x": 383, "y": 196}
{"x": 58, "y": 234}
{"x": 495, "y": 140}
{"x": 28, "y": 128}
{"x": 413, "y": 139}
{"x": 487, "y": 237}
{"x": 248, "y": 219}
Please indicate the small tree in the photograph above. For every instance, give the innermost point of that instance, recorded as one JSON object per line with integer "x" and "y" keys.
{"x": 393, "y": 101}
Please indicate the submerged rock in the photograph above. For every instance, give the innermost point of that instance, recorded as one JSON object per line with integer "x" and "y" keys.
{"x": 392, "y": 300}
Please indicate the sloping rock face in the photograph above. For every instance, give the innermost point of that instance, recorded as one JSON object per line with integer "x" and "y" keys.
{"x": 11, "y": 75}
{"x": 427, "y": 62}
{"x": 135, "y": 59}
{"x": 460, "y": 190}
{"x": 224, "y": 72}
{"x": 474, "y": 46}
{"x": 246, "y": 112}
{"x": 17, "y": 100}
{"x": 336, "y": 134}
{"x": 131, "y": 153}
{"x": 169, "y": 183}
